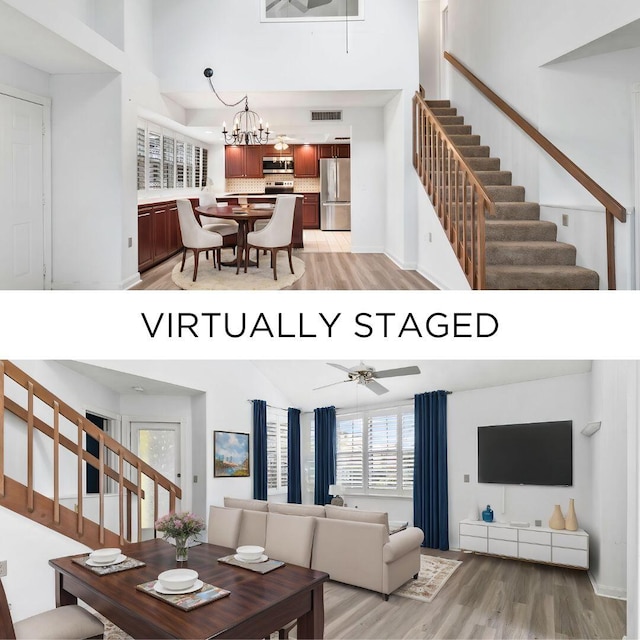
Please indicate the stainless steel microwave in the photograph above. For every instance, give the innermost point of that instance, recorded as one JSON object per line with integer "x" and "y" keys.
{"x": 280, "y": 164}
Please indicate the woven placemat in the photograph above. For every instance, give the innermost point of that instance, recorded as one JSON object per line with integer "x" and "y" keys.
{"x": 186, "y": 601}
{"x": 258, "y": 567}
{"x": 129, "y": 563}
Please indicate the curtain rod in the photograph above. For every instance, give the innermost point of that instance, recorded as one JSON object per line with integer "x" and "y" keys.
{"x": 270, "y": 406}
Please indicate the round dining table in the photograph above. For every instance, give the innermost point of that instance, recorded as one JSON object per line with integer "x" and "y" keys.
{"x": 245, "y": 216}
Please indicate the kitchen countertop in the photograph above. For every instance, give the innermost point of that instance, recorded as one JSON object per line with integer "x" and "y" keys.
{"x": 249, "y": 196}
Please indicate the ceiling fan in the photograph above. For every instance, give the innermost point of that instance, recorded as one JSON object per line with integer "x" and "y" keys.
{"x": 367, "y": 376}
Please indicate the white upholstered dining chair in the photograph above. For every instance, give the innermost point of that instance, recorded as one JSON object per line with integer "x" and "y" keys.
{"x": 70, "y": 622}
{"x": 194, "y": 237}
{"x": 222, "y": 226}
{"x": 276, "y": 235}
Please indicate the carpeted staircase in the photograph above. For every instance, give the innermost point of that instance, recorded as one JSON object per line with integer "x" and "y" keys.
{"x": 521, "y": 250}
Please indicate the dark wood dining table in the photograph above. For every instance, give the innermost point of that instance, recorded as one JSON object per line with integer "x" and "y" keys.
{"x": 257, "y": 606}
{"x": 246, "y": 217}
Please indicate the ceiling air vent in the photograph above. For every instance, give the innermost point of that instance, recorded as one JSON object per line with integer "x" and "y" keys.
{"x": 326, "y": 115}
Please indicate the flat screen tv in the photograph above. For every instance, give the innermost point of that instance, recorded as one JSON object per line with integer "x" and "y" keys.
{"x": 538, "y": 453}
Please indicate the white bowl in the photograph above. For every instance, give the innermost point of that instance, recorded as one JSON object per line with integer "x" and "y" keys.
{"x": 250, "y": 552}
{"x": 104, "y": 556}
{"x": 178, "y": 579}
{"x": 223, "y": 204}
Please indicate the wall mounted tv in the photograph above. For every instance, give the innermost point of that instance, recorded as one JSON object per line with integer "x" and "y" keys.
{"x": 538, "y": 453}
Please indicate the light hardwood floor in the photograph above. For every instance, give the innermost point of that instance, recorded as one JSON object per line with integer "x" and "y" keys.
{"x": 485, "y": 598}
{"x": 329, "y": 265}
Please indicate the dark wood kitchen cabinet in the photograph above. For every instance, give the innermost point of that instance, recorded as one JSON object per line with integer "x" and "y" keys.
{"x": 305, "y": 161}
{"x": 334, "y": 150}
{"x": 311, "y": 210}
{"x": 244, "y": 161}
{"x": 158, "y": 233}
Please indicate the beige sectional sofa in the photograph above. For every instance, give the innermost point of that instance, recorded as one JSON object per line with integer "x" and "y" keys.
{"x": 351, "y": 545}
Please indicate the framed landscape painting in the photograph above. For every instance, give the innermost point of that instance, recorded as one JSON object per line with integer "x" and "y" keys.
{"x": 310, "y": 10}
{"x": 230, "y": 454}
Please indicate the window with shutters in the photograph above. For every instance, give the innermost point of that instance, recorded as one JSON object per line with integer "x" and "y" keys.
{"x": 277, "y": 446}
{"x": 142, "y": 155}
{"x": 374, "y": 451}
{"x": 189, "y": 164}
{"x": 180, "y": 165}
{"x": 155, "y": 160}
{"x": 168, "y": 162}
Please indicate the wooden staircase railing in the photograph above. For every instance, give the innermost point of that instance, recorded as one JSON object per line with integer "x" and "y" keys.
{"x": 613, "y": 209}
{"x": 49, "y": 512}
{"x": 459, "y": 198}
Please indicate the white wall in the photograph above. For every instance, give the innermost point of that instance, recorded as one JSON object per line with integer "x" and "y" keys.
{"x": 583, "y": 106}
{"x": 430, "y": 57}
{"x": 564, "y": 398}
{"x": 21, "y": 76}
{"x": 609, "y": 393}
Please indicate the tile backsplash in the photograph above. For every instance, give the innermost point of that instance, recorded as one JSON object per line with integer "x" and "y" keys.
{"x": 256, "y": 185}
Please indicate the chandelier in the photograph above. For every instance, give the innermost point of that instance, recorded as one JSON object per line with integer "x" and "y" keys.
{"x": 248, "y": 127}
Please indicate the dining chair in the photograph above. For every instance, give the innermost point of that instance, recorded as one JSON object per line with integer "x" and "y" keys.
{"x": 290, "y": 539}
{"x": 224, "y": 526}
{"x": 222, "y": 226}
{"x": 196, "y": 238}
{"x": 70, "y": 622}
{"x": 276, "y": 235}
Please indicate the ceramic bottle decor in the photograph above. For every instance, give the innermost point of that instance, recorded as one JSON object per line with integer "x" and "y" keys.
{"x": 487, "y": 514}
{"x": 571, "y": 521}
{"x": 557, "y": 519}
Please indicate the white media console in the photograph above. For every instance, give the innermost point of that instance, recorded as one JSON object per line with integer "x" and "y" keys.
{"x": 536, "y": 544}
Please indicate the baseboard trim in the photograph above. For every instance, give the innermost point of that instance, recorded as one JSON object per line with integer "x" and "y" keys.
{"x": 97, "y": 286}
{"x": 605, "y": 591}
{"x": 405, "y": 266}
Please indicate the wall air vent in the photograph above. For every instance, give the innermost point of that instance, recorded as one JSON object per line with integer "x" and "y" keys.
{"x": 342, "y": 138}
{"x": 325, "y": 115}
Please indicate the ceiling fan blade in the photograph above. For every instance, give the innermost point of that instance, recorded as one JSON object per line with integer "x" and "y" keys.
{"x": 333, "y": 384}
{"x": 339, "y": 366}
{"x": 390, "y": 373}
{"x": 376, "y": 387}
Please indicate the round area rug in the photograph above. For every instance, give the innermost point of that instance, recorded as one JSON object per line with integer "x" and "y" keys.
{"x": 254, "y": 279}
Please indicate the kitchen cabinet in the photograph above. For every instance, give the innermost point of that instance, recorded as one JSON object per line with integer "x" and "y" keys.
{"x": 311, "y": 210}
{"x": 334, "y": 150}
{"x": 243, "y": 161}
{"x": 305, "y": 161}
{"x": 158, "y": 233}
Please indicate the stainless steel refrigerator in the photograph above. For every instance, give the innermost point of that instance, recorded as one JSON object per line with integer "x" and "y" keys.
{"x": 335, "y": 194}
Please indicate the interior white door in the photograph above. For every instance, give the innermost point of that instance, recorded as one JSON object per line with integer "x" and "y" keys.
{"x": 21, "y": 194}
{"x": 158, "y": 444}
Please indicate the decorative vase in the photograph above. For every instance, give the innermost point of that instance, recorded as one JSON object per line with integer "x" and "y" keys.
{"x": 487, "y": 514}
{"x": 182, "y": 548}
{"x": 571, "y": 521}
{"x": 557, "y": 519}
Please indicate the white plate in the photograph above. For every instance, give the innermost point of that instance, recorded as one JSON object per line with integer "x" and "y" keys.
{"x": 118, "y": 560}
{"x": 171, "y": 592}
{"x": 260, "y": 559}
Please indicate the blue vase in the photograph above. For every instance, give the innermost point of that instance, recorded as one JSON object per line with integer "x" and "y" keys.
{"x": 487, "y": 514}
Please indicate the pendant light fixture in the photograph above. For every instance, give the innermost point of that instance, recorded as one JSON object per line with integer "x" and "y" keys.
{"x": 248, "y": 127}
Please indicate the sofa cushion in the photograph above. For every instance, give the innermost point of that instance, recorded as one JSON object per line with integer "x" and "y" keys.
{"x": 253, "y": 505}
{"x": 297, "y": 509}
{"x": 224, "y": 526}
{"x": 357, "y": 515}
{"x": 290, "y": 538}
{"x": 253, "y": 528}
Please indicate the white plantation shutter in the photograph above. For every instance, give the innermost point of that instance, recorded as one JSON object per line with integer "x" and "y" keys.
{"x": 180, "y": 165}
{"x": 277, "y": 445}
{"x": 408, "y": 433}
{"x": 168, "y": 162}
{"x": 382, "y": 456}
{"x": 142, "y": 153}
{"x": 349, "y": 453}
{"x": 374, "y": 451}
{"x": 189, "y": 165}
{"x": 198, "y": 166}
{"x": 205, "y": 167}
{"x": 155, "y": 160}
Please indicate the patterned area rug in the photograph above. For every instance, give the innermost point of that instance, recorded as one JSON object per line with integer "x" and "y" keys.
{"x": 434, "y": 573}
{"x": 255, "y": 279}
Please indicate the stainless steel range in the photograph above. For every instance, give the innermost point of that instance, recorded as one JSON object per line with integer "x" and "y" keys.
{"x": 278, "y": 186}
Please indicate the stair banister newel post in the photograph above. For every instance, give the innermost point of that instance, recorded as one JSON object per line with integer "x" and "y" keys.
{"x": 56, "y": 462}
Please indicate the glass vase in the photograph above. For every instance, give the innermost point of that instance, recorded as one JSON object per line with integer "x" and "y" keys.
{"x": 182, "y": 548}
